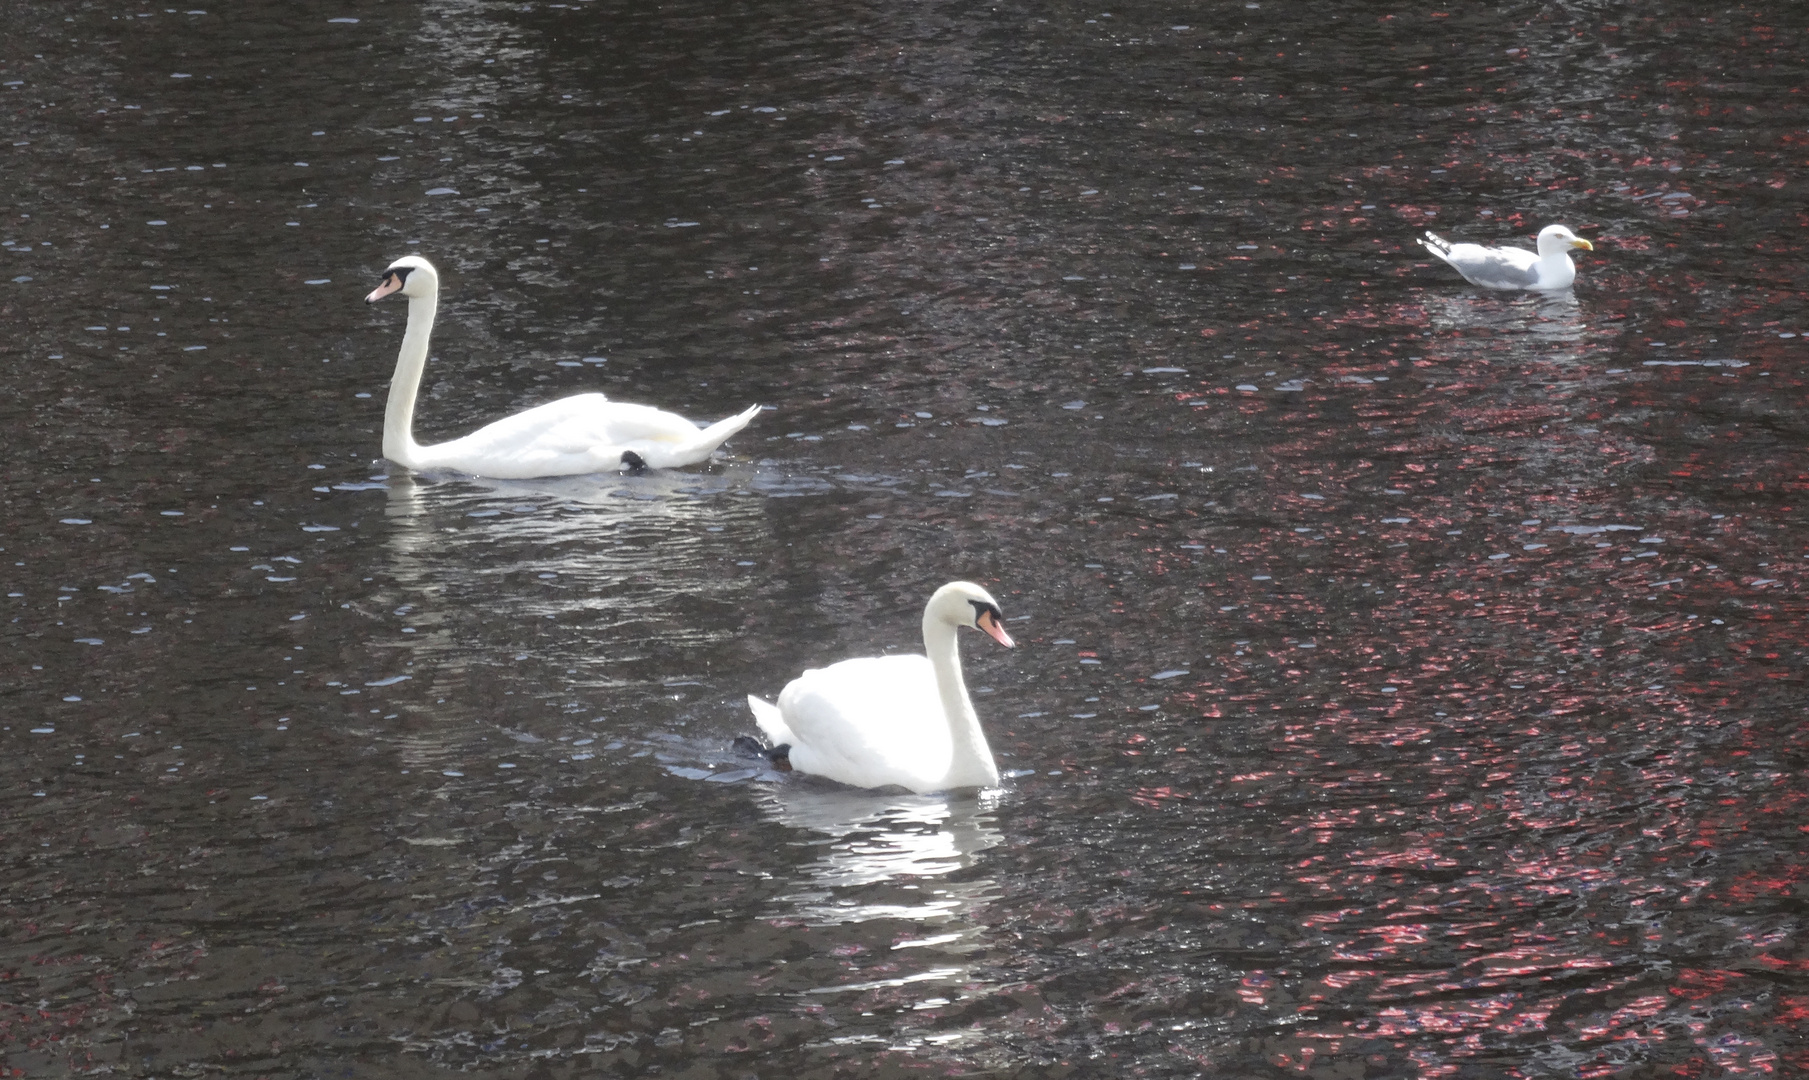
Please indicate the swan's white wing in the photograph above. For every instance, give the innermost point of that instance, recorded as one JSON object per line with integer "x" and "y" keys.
{"x": 628, "y": 424}
{"x": 582, "y": 433}
{"x": 869, "y": 722}
{"x": 580, "y": 423}
{"x": 571, "y": 425}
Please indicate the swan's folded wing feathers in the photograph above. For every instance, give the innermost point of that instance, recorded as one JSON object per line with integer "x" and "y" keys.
{"x": 583, "y": 422}
{"x": 627, "y": 423}
{"x": 862, "y": 721}
{"x": 566, "y": 426}
{"x": 582, "y": 433}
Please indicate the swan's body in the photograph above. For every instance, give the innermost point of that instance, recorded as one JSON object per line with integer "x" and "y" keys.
{"x": 1511, "y": 267}
{"x": 584, "y": 433}
{"x": 892, "y": 720}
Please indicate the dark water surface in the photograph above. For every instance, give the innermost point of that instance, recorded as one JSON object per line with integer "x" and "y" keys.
{"x": 1410, "y": 680}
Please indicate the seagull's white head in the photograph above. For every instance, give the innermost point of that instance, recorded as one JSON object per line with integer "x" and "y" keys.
{"x": 1556, "y": 238}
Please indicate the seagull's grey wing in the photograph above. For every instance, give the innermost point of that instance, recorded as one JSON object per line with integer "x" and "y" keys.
{"x": 1492, "y": 268}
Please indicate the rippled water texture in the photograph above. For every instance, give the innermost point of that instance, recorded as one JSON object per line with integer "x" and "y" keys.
{"x": 1409, "y": 680}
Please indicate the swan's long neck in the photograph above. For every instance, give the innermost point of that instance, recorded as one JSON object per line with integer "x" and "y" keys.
{"x": 971, "y": 763}
{"x": 399, "y": 416}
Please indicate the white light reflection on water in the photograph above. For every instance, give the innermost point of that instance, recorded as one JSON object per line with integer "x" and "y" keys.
{"x": 892, "y": 857}
{"x": 887, "y": 857}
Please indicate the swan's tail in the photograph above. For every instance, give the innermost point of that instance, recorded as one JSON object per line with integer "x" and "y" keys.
{"x": 770, "y": 720}
{"x": 674, "y": 447}
{"x": 1437, "y": 245}
{"x": 719, "y": 432}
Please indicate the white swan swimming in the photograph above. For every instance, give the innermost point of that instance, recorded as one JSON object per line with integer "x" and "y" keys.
{"x": 882, "y": 720}
{"x": 584, "y": 433}
{"x": 1512, "y": 267}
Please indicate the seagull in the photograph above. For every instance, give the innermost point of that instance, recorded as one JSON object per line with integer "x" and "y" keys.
{"x": 1512, "y": 267}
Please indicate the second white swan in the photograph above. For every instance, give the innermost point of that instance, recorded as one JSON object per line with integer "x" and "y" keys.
{"x": 882, "y": 720}
{"x": 584, "y": 433}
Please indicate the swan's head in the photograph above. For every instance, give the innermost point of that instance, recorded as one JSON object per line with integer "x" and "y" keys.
{"x": 962, "y": 603}
{"x": 410, "y": 275}
{"x": 1556, "y": 238}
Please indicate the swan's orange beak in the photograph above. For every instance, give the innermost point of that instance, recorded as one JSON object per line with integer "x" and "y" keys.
{"x": 391, "y": 282}
{"x": 990, "y": 623}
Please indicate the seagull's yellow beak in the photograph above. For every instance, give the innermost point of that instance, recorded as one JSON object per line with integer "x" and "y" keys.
{"x": 1577, "y": 241}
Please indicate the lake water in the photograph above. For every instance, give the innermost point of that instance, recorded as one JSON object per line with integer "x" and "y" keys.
{"x": 1409, "y": 678}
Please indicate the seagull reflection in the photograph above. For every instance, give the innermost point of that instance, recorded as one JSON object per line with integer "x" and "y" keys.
{"x": 1532, "y": 329}
{"x": 887, "y": 857}
{"x": 1538, "y": 313}
{"x": 1560, "y": 318}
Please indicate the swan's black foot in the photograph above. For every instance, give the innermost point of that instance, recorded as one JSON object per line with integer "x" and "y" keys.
{"x": 779, "y": 756}
{"x": 633, "y": 462}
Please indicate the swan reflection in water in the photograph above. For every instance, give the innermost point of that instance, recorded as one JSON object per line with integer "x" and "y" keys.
{"x": 490, "y": 585}
{"x": 887, "y": 856}
{"x": 584, "y": 542}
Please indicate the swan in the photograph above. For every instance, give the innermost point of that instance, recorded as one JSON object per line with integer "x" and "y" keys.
{"x": 584, "y": 433}
{"x": 876, "y": 721}
{"x": 1512, "y": 267}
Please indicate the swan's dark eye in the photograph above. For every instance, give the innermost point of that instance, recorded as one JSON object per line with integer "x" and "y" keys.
{"x": 400, "y": 273}
{"x": 983, "y": 609}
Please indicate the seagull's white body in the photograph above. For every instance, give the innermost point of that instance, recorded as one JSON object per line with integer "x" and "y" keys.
{"x": 584, "y": 433}
{"x": 893, "y": 720}
{"x": 1511, "y": 267}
